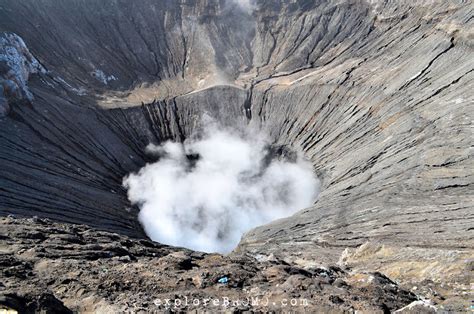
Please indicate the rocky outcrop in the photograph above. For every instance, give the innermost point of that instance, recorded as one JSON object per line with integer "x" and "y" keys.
{"x": 377, "y": 94}
{"x": 16, "y": 66}
{"x": 440, "y": 275}
{"x": 60, "y": 268}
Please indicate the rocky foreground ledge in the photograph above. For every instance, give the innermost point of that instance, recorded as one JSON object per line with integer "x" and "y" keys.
{"x": 56, "y": 267}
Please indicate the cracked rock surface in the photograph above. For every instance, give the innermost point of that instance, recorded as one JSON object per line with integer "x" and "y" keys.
{"x": 377, "y": 94}
{"x": 59, "y": 267}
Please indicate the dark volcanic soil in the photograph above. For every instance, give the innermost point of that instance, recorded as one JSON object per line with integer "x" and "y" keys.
{"x": 58, "y": 267}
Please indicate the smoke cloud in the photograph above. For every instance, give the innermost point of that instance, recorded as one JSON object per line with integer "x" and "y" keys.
{"x": 205, "y": 193}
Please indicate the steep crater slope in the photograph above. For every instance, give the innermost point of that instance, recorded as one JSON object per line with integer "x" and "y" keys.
{"x": 377, "y": 94}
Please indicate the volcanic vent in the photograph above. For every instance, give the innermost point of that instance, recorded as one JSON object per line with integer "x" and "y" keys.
{"x": 204, "y": 194}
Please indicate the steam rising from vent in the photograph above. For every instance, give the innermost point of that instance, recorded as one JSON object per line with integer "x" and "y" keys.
{"x": 205, "y": 193}
{"x": 247, "y": 5}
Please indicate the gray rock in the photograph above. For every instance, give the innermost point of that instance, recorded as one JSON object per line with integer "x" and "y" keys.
{"x": 65, "y": 276}
{"x": 4, "y": 107}
{"x": 16, "y": 66}
{"x": 377, "y": 94}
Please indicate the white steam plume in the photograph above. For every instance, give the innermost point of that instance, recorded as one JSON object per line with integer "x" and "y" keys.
{"x": 247, "y": 5}
{"x": 204, "y": 194}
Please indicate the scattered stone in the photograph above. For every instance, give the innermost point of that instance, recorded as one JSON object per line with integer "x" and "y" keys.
{"x": 113, "y": 283}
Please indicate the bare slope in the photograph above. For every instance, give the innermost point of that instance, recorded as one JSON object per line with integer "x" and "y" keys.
{"x": 379, "y": 95}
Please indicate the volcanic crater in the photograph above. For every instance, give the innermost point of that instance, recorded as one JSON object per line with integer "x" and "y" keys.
{"x": 377, "y": 95}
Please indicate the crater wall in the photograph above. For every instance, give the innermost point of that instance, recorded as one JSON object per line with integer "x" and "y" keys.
{"x": 377, "y": 94}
